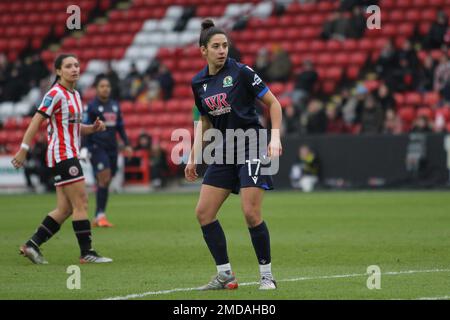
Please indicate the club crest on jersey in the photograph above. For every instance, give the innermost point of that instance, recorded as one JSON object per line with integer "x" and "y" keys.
{"x": 100, "y": 109}
{"x": 218, "y": 104}
{"x": 205, "y": 86}
{"x": 227, "y": 81}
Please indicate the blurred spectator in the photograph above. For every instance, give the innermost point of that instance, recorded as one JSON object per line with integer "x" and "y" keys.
{"x": 233, "y": 52}
{"x": 435, "y": 37}
{"x": 304, "y": 84}
{"x": 280, "y": 65}
{"x": 337, "y": 27}
{"x": 357, "y": 23}
{"x": 426, "y": 74}
{"x": 166, "y": 82}
{"x": 114, "y": 81}
{"x": 291, "y": 120}
{"x": 3, "y": 72}
{"x": 262, "y": 63}
{"x": 422, "y": 125}
{"x": 36, "y": 69}
{"x": 132, "y": 85}
{"x": 144, "y": 142}
{"x": 352, "y": 109}
{"x": 158, "y": 164}
{"x": 392, "y": 123}
{"x": 153, "y": 67}
{"x": 15, "y": 86}
{"x": 315, "y": 119}
{"x": 385, "y": 98}
{"x": 387, "y": 61}
{"x": 335, "y": 124}
{"x": 442, "y": 77}
{"x": 409, "y": 53}
{"x": 149, "y": 90}
{"x": 372, "y": 116}
{"x": 404, "y": 78}
{"x": 305, "y": 171}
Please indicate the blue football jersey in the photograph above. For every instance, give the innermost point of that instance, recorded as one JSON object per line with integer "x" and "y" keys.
{"x": 111, "y": 115}
{"x": 228, "y": 98}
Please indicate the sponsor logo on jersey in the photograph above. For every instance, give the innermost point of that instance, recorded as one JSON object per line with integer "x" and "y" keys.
{"x": 256, "y": 80}
{"x": 48, "y": 101}
{"x": 218, "y": 104}
{"x": 227, "y": 81}
{"x": 110, "y": 119}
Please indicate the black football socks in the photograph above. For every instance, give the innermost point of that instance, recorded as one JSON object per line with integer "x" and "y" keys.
{"x": 102, "y": 198}
{"x": 45, "y": 231}
{"x": 216, "y": 241}
{"x": 82, "y": 230}
{"x": 261, "y": 243}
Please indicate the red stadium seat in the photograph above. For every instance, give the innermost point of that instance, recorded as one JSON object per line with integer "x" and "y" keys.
{"x": 353, "y": 72}
{"x": 407, "y": 114}
{"x": 126, "y": 107}
{"x": 430, "y": 99}
{"x": 425, "y": 112}
{"x": 142, "y": 107}
{"x": 413, "y": 98}
{"x": 157, "y": 106}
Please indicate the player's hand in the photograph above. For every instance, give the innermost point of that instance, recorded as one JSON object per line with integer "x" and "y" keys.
{"x": 190, "y": 172}
{"x": 275, "y": 148}
{"x": 19, "y": 158}
{"x": 128, "y": 151}
{"x": 98, "y": 125}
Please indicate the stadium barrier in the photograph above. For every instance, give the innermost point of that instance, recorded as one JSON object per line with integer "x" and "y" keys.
{"x": 373, "y": 161}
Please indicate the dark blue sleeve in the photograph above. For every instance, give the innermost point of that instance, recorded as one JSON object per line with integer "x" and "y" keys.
{"x": 89, "y": 115}
{"x": 253, "y": 82}
{"x": 120, "y": 126}
{"x": 198, "y": 101}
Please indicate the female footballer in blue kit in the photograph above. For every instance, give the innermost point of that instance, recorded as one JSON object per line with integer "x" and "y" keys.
{"x": 225, "y": 94}
{"x": 102, "y": 146}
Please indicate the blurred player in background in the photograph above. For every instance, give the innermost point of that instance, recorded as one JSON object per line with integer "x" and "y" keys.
{"x": 62, "y": 107}
{"x": 102, "y": 146}
{"x": 225, "y": 93}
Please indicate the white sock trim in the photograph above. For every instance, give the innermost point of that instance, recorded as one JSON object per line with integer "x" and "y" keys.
{"x": 265, "y": 268}
{"x": 224, "y": 267}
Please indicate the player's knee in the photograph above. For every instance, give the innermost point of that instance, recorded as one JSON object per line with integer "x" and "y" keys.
{"x": 204, "y": 215}
{"x": 252, "y": 214}
{"x": 81, "y": 202}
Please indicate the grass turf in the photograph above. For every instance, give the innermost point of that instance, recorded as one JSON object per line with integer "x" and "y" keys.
{"x": 157, "y": 245}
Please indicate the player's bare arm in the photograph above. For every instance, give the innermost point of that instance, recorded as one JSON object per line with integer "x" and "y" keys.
{"x": 32, "y": 129}
{"x": 275, "y": 148}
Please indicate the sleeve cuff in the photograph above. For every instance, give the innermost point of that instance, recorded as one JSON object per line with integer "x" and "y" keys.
{"x": 263, "y": 92}
{"x": 43, "y": 113}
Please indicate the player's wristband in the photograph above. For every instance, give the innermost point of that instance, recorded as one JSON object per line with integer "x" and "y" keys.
{"x": 25, "y": 146}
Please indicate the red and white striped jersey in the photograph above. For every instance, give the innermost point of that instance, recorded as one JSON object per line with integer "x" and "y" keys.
{"x": 64, "y": 111}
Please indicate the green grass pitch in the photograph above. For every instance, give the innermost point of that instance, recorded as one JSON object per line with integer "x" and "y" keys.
{"x": 322, "y": 244}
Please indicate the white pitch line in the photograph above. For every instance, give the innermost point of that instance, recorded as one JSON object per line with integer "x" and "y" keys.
{"x": 337, "y": 276}
{"x": 434, "y": 298}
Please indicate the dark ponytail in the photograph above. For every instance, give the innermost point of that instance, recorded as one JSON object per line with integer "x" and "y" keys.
{"x": 58, "y": 64}
{"x": 208, "y": 31}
